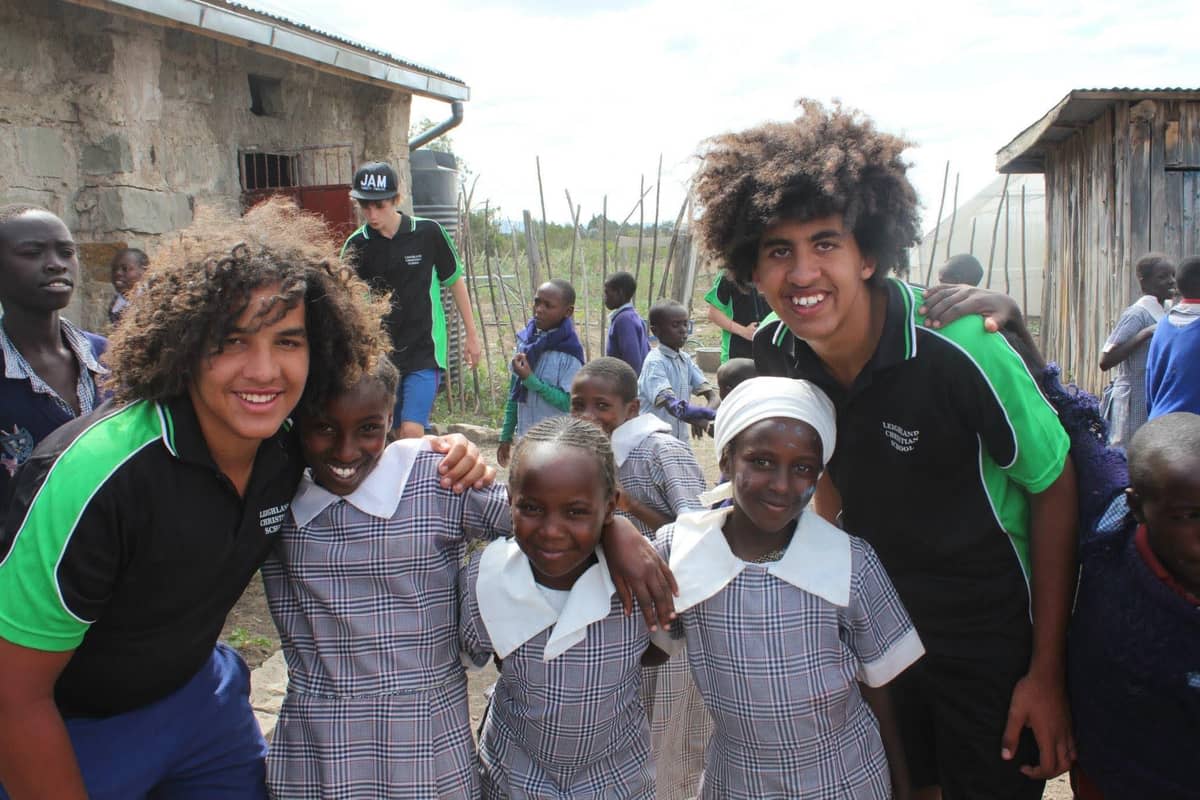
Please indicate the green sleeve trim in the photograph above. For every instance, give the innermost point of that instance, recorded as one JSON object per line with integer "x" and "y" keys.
{"x": 510, "y": 416}
{"x": 346, "y": 244}
{"x": 35, "y": 613}
{"x": 713, "y": 299}
{"x": 552, "y": 394}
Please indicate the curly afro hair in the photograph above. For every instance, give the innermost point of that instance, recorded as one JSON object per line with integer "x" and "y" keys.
{"x": 198, "y": 288}
{"x": 828, "y": 161}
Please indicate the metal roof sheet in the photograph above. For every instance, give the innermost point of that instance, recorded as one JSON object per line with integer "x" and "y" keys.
{"x": 295, "y": 41}
{"x": 1027, "y": 152}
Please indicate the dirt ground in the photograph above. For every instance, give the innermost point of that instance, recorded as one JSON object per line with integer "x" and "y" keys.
{"x": 249, "y": 626}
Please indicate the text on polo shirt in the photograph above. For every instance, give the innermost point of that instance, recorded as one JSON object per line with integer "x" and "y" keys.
{"x": 902, "y": 439}
{"x": 272, "y": 518}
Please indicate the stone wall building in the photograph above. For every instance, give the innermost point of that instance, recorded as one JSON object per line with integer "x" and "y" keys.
{"x": 123, "y": 116}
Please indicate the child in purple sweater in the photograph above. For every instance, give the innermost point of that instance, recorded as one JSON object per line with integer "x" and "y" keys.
{"x": 627, "y": 336}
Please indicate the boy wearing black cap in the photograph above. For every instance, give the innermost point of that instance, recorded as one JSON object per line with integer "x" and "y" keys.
{"x": 409, "y": 257}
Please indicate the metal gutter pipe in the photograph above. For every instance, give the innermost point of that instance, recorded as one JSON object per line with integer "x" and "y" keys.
{"x": 456, "y": 118}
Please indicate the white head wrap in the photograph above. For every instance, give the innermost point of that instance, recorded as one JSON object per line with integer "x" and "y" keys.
{"x": 764, "y": 398}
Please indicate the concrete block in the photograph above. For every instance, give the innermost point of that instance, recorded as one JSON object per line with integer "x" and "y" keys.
{"x": 126, "y": 208}
{"x": 476, "y": 433}
{"x": 44, "y": 152}
{"x": 108, "y": 156}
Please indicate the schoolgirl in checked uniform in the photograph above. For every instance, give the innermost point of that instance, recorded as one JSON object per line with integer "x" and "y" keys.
{"x": 791, "y": 625}
{"x": 363, "y": 587}
{"x": 566, "y": 719}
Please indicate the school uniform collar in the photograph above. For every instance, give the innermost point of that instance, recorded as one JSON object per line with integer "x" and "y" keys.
{"x": 897, "y": 342}
{"x": 17, "y": 368}
{"x": 1151, "y": 304}
{"x": 183, "y": 438}
{"x": 817, "y": 560}
{"x": 669, "y": 352}
{"x": 631, "y": 433}
{"x": 408, "y": 224}
{"x": 377, "y": 496}
{"x": 612, "y": 315}
{"x": 514, "y": 610}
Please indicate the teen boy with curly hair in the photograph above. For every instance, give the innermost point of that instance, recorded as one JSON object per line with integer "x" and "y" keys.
{"x": 953, "y": 465}
{"x": 134, "y": 529}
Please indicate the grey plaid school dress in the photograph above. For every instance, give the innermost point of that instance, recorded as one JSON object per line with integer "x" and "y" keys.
{"x": 571, "y": 727}
{"x": 778, "y": 664}
{"x": 659, "y": 470}
{"x": 364, "y": 590}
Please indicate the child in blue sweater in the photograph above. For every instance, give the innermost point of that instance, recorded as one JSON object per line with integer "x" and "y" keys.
{"x": 1134, "y": 644}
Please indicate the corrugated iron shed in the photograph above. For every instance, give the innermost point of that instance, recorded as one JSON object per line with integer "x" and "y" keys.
{"x": 1027, "y": 152}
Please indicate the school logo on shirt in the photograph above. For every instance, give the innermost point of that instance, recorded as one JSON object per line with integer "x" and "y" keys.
{"x": 413, "y": 260}
{"x": 15, "y": 448}
{"x": 902, "y": 439}
{"x": 271, "y": 519}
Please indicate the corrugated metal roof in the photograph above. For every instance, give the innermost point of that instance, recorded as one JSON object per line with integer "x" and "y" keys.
{"x": 292, "y": 40}
{"x": 337, "y": 38}
{"x": 1027, "y": 152}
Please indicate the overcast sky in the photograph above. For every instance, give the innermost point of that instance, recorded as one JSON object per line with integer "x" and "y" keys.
{"x": 599, "y": 89}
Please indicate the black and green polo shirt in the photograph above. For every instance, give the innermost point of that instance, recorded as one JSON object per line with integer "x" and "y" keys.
{"x": 126, "y": 544}
{"x": 744, "y": 308}
{"x": 941, "y": 440}
{"x": 413, "y": 265}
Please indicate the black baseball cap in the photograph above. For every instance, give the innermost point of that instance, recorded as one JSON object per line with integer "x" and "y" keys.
{"x": 375, "y": 181}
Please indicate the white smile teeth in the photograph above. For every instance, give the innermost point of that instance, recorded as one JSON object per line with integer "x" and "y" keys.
{"x": 345, "y": 473}
{"x": 256, "y": 398}
{"x": 808, "y": 300}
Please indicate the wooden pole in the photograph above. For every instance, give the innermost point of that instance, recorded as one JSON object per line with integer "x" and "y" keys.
{"x": 532, "y": 256}
{"x": 938, "y": 225}
{"x": 1024, "y": 274}
{"x": 662, "y": 287}
{"x": 516, "y": 249}
{"x": 492, "y": 278}
{"x": 604, "y": 267}
{"x": 587, "y": 308}
{"x": 574, "y": 211}
{"x": 545, "y": 237}
{"x": 654, "y": 241}
{"x": 971, "y": 244}
{"x": 473, "y": 296}
{"x": 1007, "y": 240}
{"x": 637, "y": 274}
{"x": 953, "y": 217}
{"x": 995, "y": 230}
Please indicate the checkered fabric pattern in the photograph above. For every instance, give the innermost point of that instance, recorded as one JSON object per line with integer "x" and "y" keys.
{"x": 367, "y": 610}
{"x": 777, "y": 669}
{"x": 663, "y": 473}
{"x": 571, "y": 728}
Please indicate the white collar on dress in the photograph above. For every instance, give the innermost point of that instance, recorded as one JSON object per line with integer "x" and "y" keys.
{"x": 1151, "y": 304}
{"x": 514, "y": 610}
{"x": 378, "y": 494}
{"x": 817, "y": 559}
{"x": 629, "y": 434}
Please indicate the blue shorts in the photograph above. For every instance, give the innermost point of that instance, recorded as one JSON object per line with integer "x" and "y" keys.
{"x": 201, "y": 741}
{"x": 414, "y": 397}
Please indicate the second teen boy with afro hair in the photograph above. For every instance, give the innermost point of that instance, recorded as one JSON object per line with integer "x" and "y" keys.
{"x": 953, "y": 466}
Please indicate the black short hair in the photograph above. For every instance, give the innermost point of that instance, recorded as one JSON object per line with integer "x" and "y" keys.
{"x": 564, "y": 288}
{"x": 663, "y": 307}
{"x": 962, "y": 268}
{"x": 619, "y": 374}
{"x": 828, "y": 161}
{"x": 1146, "y": 265}
{"x": 567, "y": 431}
{"x": 14, "y": 210}
{"x": 1187, "y": 277}
{"x": 623, "y": 282}
{"x": 383, "y": 377}
{"x": 1172, "y": 439}
{"x": 136, "y": 252}
{"x": 734, "y": 371}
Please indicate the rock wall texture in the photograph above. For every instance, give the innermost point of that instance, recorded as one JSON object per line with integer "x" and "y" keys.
{"x": 123, "y": 127}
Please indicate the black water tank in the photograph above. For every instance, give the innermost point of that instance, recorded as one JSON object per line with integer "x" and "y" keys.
{"x": 435, "y": 196}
